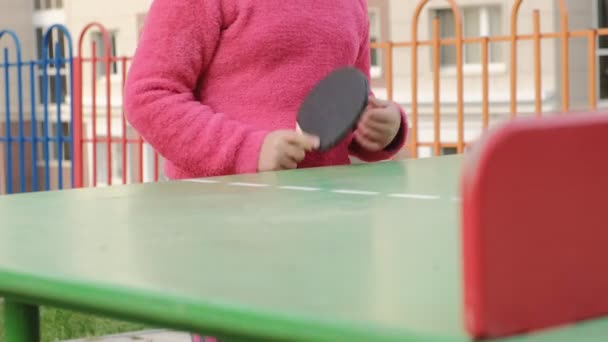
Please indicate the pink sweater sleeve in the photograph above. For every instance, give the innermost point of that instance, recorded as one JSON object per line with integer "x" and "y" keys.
{"x": 176, "y": 46}
{"x": 363, "y": 63}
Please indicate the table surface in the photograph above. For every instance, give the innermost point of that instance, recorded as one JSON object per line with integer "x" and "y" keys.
{"x": 367, "y": 252}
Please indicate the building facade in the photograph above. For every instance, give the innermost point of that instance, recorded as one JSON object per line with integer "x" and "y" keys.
{"x": 391, "y": 20}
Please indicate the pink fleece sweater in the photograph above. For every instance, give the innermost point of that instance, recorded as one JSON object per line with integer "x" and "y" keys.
{"x": 211, "y": 78}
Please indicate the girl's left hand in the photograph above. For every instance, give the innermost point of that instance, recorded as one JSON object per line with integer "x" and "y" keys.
{"x": 378, "y": 126}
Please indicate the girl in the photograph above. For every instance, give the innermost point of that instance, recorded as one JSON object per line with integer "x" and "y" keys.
{"x": 215, "y": 85}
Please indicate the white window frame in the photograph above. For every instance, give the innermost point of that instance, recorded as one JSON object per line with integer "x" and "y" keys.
{"x": 43, "y": 8}
{"x": 115, "y": 68}
{"x": 44, "y": 19}
{"x": 599, "y": 53}
{"x": 52, "y": 133}
{"x": 101, "y": 129}
{"x": 484, "y": 30}
{"x": 148, "y": 161}
{"x": 132, "y": 158}
{"x": 376, "y": 70}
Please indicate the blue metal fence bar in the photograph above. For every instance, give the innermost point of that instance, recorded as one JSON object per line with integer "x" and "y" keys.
{"x": 34, "y": 126}
{"x": 59, "y": 138}
{"x": 9, "y": 139}
{"x": 70, "y": 139}
{"x": 45, "y": 121}
{"x": 21, "y": 128}
{"x": 59, "y": 128}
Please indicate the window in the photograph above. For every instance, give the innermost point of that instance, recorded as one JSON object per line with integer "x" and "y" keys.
{"x": 449, "y": 151}
{"x": 374, "y": 35}
{"x": 100, "y": 51}
{"x": 57, "y": 86}
{"x": 602, "y": 21}
{"x": 53, "y": 133}
{"x": 102, "y": 163}
{"x": 150, "y": 157}
{"x": 41, "y": 5}
{"x": 379, "y": 31}
{"x": 484, "y": 21}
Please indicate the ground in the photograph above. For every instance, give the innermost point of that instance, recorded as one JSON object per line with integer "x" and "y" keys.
{"x": 60, "y": 325}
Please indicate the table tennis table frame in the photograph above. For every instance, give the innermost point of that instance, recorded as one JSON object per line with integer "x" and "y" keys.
{"x": 22, "y": 321}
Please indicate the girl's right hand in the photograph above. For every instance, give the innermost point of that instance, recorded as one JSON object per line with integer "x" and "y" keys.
{"x": 284, "y": 150}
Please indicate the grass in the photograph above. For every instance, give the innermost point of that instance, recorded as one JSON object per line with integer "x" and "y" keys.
{"x": 60, "y": 325}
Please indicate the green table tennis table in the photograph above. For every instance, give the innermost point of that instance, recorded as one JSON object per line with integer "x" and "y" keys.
{"x": 365, "y": 252}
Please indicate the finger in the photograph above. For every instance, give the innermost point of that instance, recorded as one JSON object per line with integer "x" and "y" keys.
{"x": 366, "y": 143}
{"x": 303, "y": 140}
{"x": 370, "y": 133}
{"x": 370, "y": 124}
{"x": 377, "y": 103}
{"x": 379, "y": 115}
{"x": 296, "y": 154}
{"x": 287, "y": 163}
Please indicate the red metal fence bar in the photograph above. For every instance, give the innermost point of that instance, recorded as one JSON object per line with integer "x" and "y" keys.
{"x": 537, "y": 65}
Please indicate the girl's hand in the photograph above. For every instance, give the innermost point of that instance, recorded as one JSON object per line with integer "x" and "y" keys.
{"x": 284, "y": 150}
{"x": 379, "y": 125}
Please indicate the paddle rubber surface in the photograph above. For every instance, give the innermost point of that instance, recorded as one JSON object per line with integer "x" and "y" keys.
{"x": 333, "y": 107}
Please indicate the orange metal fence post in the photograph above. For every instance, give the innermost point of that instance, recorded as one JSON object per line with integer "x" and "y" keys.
{"x": 414, "y": 144}
{"x": 485, "y": 106}
{"x": 592, "y": 43}
{"x": 436, "y": 89}
{"x": 537, "y": 64}
{"x": 513, "y": 70}
{"x": 460, "y": 79}
{"x": 388, "y": 61}
{"x": 564, "y": 36}
{"x": 565, "y": 60}
{"x": 414, "y": 133}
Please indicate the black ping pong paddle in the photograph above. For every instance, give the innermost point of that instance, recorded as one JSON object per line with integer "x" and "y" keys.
{"x": 333, "y": 107}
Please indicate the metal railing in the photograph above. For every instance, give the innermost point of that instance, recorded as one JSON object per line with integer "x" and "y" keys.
{"x": 22, "y": 148}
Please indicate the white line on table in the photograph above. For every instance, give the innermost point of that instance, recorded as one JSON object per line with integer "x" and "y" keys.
{"x": 415, "y": 196}
{"x": 313, "y": 189}
{"x": 249, "y": 185}
{"x": 355, "y": 192}
{"x": 299, "y": 188}
{"x": 204, "y": 181}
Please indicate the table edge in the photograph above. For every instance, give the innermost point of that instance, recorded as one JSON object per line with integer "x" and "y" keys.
{"x": 177, "y": 312}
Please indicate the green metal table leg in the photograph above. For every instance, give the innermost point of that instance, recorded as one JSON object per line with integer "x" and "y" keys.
{"x": 22, "y": 322}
